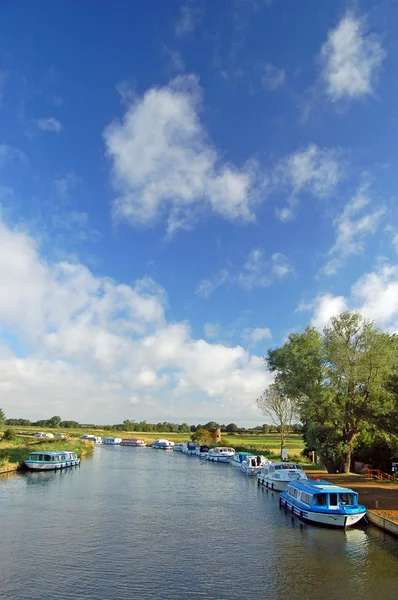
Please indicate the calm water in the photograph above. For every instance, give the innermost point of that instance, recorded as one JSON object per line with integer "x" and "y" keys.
{"x": 149, "y": 524}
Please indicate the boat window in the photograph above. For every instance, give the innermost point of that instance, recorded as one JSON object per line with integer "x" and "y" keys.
{"x": 278, "y": 466}
{"x": 293, "y": 492}
{"x": 347, "y": 499}
{"x": 320, "y": 500}
{"x": 47, "y": 457}
{"x": 333, "y": 499}
{"x": 306, "y": 498}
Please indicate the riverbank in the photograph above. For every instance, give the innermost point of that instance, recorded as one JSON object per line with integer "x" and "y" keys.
{"x": 379, "y": 497}
{"x": 13, "y": 453}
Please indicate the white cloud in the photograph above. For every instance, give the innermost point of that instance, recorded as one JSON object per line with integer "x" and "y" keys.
{"x": 91, "y": 348}
{"x": 164, "y": 163}
{"x": 9, "y": 154}
{"x": 212, "y": 330}
{"x": 49, "y": 124}
{"x": 272, "y": 77}
{"x": 324, "y": 307}
{"x": 351, "y": 59}
{"x": 352, "y": 229}
{"x": 257, "y": 271}
{"x": 312, "y": 170}
{"x": 189, "y": 18}
{"x": 256, "y": 335}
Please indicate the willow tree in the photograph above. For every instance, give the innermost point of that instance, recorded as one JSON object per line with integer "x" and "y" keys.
{"x": 340, "y": 381}
{"x": 281, "y": 410}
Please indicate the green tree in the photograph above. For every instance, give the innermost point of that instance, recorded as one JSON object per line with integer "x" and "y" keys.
{"x": 231, "y": 427}
{"x": 281, "y": 409}
{"x": 340, "y": 382}
{"x": 202, "y": 436}
{"x": 54, "y": 421}
{"x": 2, "y": 417}
{"x": 10, "y": 435}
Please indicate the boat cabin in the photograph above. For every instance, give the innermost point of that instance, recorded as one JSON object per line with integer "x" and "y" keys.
{"x": 322, "y": 495}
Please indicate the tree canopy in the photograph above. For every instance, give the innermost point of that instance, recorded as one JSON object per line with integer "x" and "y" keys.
{"x": 341, "y": 380}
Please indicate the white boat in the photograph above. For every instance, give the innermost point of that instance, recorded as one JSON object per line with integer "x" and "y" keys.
{"x": 178, "y": 446}
{"x": 162, "y": 444}
{"x": 277, "y": 475}
{"x": 51, "y": 461}
{"x": 112, "y": 441}
{"x": 252, "y": 465}
{"x": 220, "y": 454}
{"x": 237, "y": 459}
{"x": 91, "y": 438}
{"x": 322, "y": 503}
{"x": 136, "y": 442}
{"x": 189, "y": 448}
{"x": 202, "y": 451}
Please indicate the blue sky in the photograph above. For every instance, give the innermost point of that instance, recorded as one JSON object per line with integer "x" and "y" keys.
{"x": 182, "y": 185}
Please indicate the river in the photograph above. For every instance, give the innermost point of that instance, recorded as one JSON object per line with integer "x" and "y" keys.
{"x": 149, "y": 524}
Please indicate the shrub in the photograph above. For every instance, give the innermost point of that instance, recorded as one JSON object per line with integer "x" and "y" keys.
{"x": 9, "y": 435}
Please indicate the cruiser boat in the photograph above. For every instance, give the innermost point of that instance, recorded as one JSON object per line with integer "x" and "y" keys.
{"x": 113, "y": 441}
{"x": 51, "y": 461}
{"x": 237, "y": 459}
{"x": 91, "y": 438}
{"x": 178, "y": 447}
{"x": 162, "y": 444}
{"x": 277, "y": 475}
{"x": 322, "y": 503}
{"x": 202, "y": 451}
{"x": 252, "y": 465}
{"x": 190, "y": 448}
{"x": 220, "y": 454}
{"x": 136, "y": 442}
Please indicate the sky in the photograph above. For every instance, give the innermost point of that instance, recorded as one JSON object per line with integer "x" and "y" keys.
{"x": 182, "y": 185}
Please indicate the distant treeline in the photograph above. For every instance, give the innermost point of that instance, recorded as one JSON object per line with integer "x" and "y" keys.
{"x": 131, "y": 425}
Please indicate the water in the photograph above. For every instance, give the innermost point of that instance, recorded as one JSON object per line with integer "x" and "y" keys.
{"x": 148, "y": 524}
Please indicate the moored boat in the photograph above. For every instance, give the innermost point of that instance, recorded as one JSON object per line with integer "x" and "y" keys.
{"x": 252, "y": 465}
{"x": 202, "y": 451}
{"x": 322, "y": 503}
{"x": 136, "y": 442}
{"x": 178, "y": 446}
{"x": 112, "y": 441}
{"x": 51, "y": 461}
{"x": 237, "y": 459}
{"x": 190, "y": 448}
{"x": 91, "y": 438}
{"x": 161, "y": 444}
{"x": 277, "y": 475}
{"x": 220, "y": 454}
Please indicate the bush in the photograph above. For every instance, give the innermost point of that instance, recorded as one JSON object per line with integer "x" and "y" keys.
{"x": 9, "y": 435}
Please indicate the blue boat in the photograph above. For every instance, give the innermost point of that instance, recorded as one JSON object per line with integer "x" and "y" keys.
{"x": 322, "y": 502}
{"x": 51, "y": 461}
{"x": 112, "y": 441}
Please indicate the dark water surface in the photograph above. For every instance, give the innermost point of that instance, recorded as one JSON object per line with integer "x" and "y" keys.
{"x": 137, "y": 523}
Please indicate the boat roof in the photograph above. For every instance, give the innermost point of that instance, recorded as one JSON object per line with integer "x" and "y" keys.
{"x": 50, "y": 453}
{"x": 315, "y": 486}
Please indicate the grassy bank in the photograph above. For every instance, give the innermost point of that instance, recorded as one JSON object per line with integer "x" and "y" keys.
{"x": 268, "y": 444}
{"x": 13, "y": 453}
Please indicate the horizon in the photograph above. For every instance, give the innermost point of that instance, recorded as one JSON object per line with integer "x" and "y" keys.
{"x": 183, "y": 185}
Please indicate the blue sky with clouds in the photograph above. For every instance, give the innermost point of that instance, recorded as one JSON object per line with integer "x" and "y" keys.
{"x": 182, "y": 185}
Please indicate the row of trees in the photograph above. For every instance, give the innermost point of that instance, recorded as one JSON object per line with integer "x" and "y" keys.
{"x": 343, "y": 387}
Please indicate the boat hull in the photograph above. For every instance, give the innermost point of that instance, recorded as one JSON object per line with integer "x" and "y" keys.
{"x": 250, "y": 470}
{"x": 271, "y": 484}
{"x": 328, "y": 519}
{"x": 40, "y": 466}
{"x": 220, "y": 459}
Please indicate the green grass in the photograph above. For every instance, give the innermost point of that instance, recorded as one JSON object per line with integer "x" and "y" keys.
{"x": 13, "y": 453}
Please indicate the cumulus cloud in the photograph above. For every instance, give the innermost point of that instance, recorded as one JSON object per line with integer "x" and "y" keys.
{"x": 313, "y": 170}
{"x": 272, "y": 77}
{"x": 351, "y": 59}
{"x": 49, "y": 124}
{"x": 91, "y": 348}
{"x": 352, "y": 226}
{"x": 257, "y": 271}
{"x": 164, "y": 163}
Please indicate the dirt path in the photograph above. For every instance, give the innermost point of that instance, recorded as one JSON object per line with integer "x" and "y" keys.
{"x": 379, "y": 496}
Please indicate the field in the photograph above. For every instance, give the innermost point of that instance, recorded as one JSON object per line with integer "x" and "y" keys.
{"x": 268, "y": 444}
{"x": 13, "y": 453}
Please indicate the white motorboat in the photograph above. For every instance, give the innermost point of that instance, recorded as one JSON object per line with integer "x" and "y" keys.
{"x": 178, "y": 446}
{"x": 135, "y": 442}
{"x": 190, "y": 448}
{"x": 51, "y": 461}
{"x": 220, "y": 454}
{"x": 162, "y": 444}
{"x": 237, "y": 459}
{"x": 252, "y": 465}
{"x": 202, "y": 451}
{"x": 277, "y": 475}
